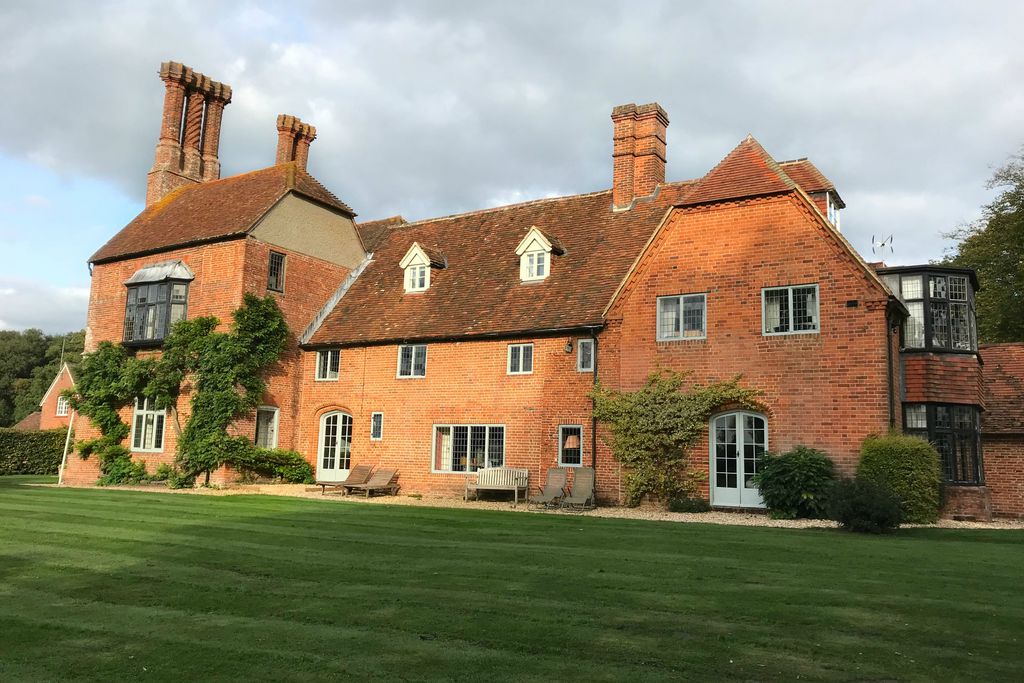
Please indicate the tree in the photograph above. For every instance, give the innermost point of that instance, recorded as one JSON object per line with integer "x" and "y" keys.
{"x": 994, "y": 247}
{"x": 29, "y": 360}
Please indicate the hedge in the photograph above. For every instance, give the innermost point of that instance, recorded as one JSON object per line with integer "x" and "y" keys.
{"x": 31, "y": 452}
{"x": 908, "y": 467}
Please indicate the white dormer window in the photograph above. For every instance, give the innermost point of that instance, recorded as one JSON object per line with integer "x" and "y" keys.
{"x": 833, "y": 211}
{"x": 534, "y": 254}
{"x": 417, "y": 264}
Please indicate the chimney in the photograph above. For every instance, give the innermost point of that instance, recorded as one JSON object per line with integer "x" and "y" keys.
{"x": 293, "y": 140}
{"x": 189, "y": 132}
{"x": 638, "y": 153}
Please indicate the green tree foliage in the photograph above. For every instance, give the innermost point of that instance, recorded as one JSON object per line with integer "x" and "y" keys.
{"x": 652, "y": 430}
{"x": 224, "y": 371}
{"x": 994, "y": 247}
{"x": 29, "y": 361}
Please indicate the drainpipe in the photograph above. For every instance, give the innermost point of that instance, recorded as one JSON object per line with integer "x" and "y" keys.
{"x": 593, "y": 418}
{"x": 889, "y": 327}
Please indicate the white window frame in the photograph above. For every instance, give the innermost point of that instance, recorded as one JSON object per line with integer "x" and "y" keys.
{"x": 579, "y": 355}
{"x": 284, "y": 262}
{"x": 417, "y": 278}
{"x": 703, "y": 296}
{"x": 531, "y": 262}
{"x": 561, "y": 445}
{"x": 337, "y": 373}
{"x": 160, "y": 415}
{"x": 277, "y": 422}
{"x": 63, "y": 406}
{"x": 412, "y": 365}
{"x": 789, "y": 289}
{"x": 508, "y": 362}
{"x": 373, "y": 417}
{"x": 487, "y": 446}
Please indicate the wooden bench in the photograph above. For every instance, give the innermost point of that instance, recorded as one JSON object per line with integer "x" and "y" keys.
{"x": 499, "y": 479}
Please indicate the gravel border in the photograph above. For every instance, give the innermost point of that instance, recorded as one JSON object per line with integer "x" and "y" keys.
{"x": 614, "y": 512}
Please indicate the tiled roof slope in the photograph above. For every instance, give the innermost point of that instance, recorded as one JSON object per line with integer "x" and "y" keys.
{"x": 215, "y": 210}
{"x": 480, "y": 292}
{"x": 373, "y": 232}
{"x": 30, "y": 423}
{"x": 806, "y": 175}
{"x": 1004, "y": 388}
{"x": 747, "y": 171}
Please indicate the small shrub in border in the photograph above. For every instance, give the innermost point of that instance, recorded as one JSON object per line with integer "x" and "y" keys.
{"x": 864, "y": 507}
{"x": 796, "y": 484}
{"x": 908, "y": 467}
{"x": 31, "y": 452}
{"x": 689, "y": 505}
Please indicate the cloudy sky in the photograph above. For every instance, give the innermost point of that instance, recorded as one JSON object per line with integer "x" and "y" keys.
{"x": 431, "y": 108}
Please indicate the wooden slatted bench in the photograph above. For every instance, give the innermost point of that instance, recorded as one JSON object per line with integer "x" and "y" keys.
{"x": 499, "y": 479}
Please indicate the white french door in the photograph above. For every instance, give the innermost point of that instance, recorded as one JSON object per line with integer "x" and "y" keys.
{"x": 335, "y": 447}
{"x": 738, "y": 440}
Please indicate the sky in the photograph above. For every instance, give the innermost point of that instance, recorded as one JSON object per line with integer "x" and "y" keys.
{"x": 432, "y": 108}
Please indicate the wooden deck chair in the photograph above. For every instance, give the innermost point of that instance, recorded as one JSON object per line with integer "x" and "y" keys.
{"x": 554, "y": 488}
{"x": 381, "y": 480}
{"x": 357, "y": 475}
{"x": 582, "y": 495}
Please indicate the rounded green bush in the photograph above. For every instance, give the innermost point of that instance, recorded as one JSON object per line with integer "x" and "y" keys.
{"x": 796, "y": 484}
{"x": 908, "y": 467}
{"x": 864, "y": 507}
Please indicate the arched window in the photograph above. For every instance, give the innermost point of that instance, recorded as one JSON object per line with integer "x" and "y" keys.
{"x": 335, "y": 446}
{"x": 738, "y": 440}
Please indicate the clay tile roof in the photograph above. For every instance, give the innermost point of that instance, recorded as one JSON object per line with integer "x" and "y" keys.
{"x": 29, "y": 423}
{"x": 808, "y": 177}
{"x": 480, "y": 292}
{"x": 215, "y": 210}
{"x": 1004, "y": 388}
{"x": 747, "y": 171}
{"x": 372, "y": 232}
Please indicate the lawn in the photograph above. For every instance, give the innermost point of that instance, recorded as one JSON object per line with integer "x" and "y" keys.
{"x": 107, "y": 584}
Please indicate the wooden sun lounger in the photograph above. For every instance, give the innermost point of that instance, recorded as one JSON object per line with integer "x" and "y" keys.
{"x": 554, "y": 488}
{"x": 582, "y": 495}
{"x": 381, "y": 480}
{"x": 357, "y": 475}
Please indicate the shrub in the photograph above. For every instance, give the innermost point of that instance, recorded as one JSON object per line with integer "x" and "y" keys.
{"x": 117, "y": 467}
{"x": 163, "y": 472}
{"x": 278, "y": 463}
{"x": 796, "y": 484}
{"x": 31, "y": 452}
{"x": 688, "y": 505}
{"x": 864, "y": 507}
{"x": 908, "y": 467}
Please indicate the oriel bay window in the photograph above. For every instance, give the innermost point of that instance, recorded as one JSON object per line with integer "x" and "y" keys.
{"x": 157, "y": 298}
{"x": 941, "y": 307}
{"x": 468, "y": 448}
{"x": 954, "y": 430}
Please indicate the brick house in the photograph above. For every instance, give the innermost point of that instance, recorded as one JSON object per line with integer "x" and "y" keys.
{"x": 54, "y": 410}
{"x": 444, "y": 345}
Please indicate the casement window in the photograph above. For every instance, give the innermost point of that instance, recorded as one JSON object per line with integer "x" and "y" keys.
{"x": 412, "y": 360}
{"x": 62, "y": 406}
{"x": 328, "y": 362}
{"x": 833, "y": 211}
{"x": 152, "y": 309}
{"x": 941, "y": 310}
{"x": 790, "y": 310}
{"x": 417, "y": 278}
{"x": 520, "y": 359}
{"x": 585, "y": 355}
{"x": 275, "y": 272}
{"x": 955, "y": 431}
{"x": 147, "y": 426}
{"x": 266, "y": 427}
{"x": 682, "y": 317}
{"x": 468, "y": 448}
{"x": 535, "y": 265}
{"x": 570, "y": 445}
{"x": 535, "y": 252}
{"x": 417, "y": 264}
{"x": 376, "y": 426}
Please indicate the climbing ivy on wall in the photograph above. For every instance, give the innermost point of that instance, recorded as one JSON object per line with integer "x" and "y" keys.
{"x": 223, "y": 372}
{"x": 653, "y": 429}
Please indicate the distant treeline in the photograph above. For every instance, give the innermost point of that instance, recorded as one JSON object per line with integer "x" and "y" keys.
{"x": 29, "y": 360}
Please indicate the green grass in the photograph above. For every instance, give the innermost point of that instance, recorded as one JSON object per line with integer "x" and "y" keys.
{"x": 107, "y": 584}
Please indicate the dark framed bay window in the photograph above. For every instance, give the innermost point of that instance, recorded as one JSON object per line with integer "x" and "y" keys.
{"x": 941, "y": 306}
{"x": 955, "y": 431}
{"x": 152, "y": 308}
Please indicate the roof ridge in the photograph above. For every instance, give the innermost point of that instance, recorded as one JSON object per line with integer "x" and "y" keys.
{"x": 531, "y": 202}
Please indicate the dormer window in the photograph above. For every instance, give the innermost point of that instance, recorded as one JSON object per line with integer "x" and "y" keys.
{"x": 833, "y": 211}
{"x": 417, "y": 264}
{"x": 535, "y": 255}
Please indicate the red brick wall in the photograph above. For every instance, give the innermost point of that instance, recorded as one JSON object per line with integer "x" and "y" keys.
{"x": 942, "y": 378}
{"x": 827, "y": 390}
{"x": 466, "y": 383}
{"x": 1004, "y": 472}
{"x": 48, "y": 418}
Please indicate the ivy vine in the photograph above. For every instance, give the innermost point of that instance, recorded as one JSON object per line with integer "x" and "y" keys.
{"x": 223, "y": 375}
{"x": 654, "y": 428}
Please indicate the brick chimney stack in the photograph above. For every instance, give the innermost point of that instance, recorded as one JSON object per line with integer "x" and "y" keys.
{"x": 638, "y": 153}
{"x": 188, "y": 146}
{"x": 293, "y": 140}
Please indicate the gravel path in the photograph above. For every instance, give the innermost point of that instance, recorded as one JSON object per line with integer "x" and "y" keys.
{"x": 647, "y": 513}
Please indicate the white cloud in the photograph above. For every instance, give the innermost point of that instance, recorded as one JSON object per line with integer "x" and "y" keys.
{"x": 37, "y": 201}
{"x": 25, "y": 304}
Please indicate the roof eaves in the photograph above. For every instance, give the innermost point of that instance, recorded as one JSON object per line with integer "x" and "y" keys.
{"x": 499, "y": 334}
